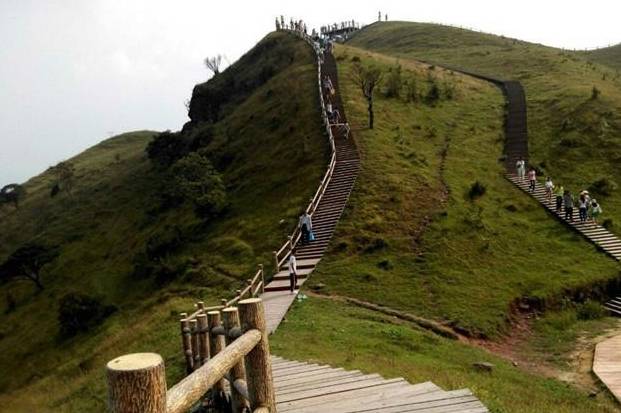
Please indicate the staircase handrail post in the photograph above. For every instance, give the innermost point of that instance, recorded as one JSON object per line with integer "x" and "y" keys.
{"x": 258, "y": 362}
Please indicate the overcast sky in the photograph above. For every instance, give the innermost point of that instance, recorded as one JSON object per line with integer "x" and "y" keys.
{"x": 73, "y": 72}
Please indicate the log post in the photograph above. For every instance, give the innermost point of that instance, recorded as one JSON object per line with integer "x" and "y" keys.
{"x": 249, "y": 283}
{"x": 258, "y": 362}
{"x": 262, "y": 279}
{"x": 186, "y": 338}
{"x": 230, "y": 317}
{"x": 290, "y": 239}
{"x": 200, "y": 305}
{"x": 136, "y": 383}
{"x": 223, "y": 302}
{"x": 196, "y": 355}
{"x": 203, "y": 338}
{"x": 216, "y": 344}
{"x": 276, "y": 266}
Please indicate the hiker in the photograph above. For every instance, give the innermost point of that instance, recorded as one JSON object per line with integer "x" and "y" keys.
{"x": 532, "y": 179}
{"x": 549, "y": 187}
{"x": 568, "y": 201}
{"x": 293, "y": 272}
{"x": 520, "y": 165}
{"x": 596, "y": 211}
{"x": 559, "y": 191}
{"x": 306, "y": 227}
{"x": 583, "y": 205}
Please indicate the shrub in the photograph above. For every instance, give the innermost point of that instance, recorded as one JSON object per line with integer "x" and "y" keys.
{"x": 477, "y": 190}
{"x": 595, "y": 92}
{"x": 433, "y": 94}
{"x": 393, "y": 82}
{"x": 411, "y": 90}
{"x": 197, "y": 181}
{"x": 608, "y": 223}
{"x": 590, "y": 310}
{"x": 355, "y": 59}
{"x": 164, "y": 241}
{"x": 166, "y": 148}
{"x": 449, "y": 90}
{"x": 604, "y": 186}
{"x": 80, "y": 312}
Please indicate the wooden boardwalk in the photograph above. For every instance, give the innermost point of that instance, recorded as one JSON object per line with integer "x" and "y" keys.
{"x": 312, "y": 388}
{"x": 607, "y": 364}
{"x": 277, "y": 296}
{"x": 598, "y": 235}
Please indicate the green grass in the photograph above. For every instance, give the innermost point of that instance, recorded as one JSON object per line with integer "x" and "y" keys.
{"x": 320, "y": 330}
{"x": 459, "y": 261}
{"x": 572, "y": 137}
{"x": 609, "y": 56}
{"x": 276, "y": 156}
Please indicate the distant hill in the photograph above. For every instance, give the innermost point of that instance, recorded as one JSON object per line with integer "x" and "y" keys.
{"x": 610, "y": 56}
{"x": 572, "y": 136}
{"x": 267, "y": 144}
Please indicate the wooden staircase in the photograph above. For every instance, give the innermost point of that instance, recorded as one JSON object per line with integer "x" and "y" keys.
{"x": 333, "y": 201}
{"x": 311, "y": 388}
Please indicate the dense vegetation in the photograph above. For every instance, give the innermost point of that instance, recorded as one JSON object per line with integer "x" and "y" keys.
{"x": 139, "y": 235}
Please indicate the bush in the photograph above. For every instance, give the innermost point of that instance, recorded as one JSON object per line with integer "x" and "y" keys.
{"x": 595, "y": 92}
{"x": 477, "y": 190}
{"x": 197, "y": 181}
{"x": 590, "y": 310}
{"x": 608, "y": 223}
{"x": 166, "y": 148}
{"x": 449, "y": 90}
{"x": 604, "y": 186}
{"x": 411, "y": 90}
{"x": 433, "y": 94}
{"x": 80, "y": 312}
{"x": 393, "y": 82}
{"x": 164, "y": 241}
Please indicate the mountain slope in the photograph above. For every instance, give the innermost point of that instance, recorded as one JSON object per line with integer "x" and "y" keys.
{"x": 116, "y": 211}
{"x": 573, "y": 132}
{"x": 609, "y": 56}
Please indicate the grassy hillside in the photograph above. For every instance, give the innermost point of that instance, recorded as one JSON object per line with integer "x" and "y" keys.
{"x": 375, "y": 343}
{"x": 271, "y": 154}
{"x": 609, "y": 56}
{"x": 573, "y": 137}
{"x": 414, "y": 239}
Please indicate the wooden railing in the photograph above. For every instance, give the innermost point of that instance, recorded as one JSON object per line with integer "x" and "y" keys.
{"x": 236, "y": 340}
{"x": 193, "y": 326}
{"x": 280, "y": 256}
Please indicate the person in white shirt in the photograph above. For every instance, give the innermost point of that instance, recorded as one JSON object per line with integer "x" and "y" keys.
{"x": 549, "y": 187}
{"x": 293, "y": 272}
{"x": 306, "y": 227}
{"x": 520, "y": 165}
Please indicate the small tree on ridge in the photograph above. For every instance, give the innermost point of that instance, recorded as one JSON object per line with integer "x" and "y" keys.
{"x": 367, "y": 78}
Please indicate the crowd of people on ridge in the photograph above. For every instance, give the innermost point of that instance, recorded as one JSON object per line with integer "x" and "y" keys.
{"x": 588, "y": 208}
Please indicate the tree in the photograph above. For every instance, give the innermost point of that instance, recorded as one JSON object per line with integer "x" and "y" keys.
{"x": 26, "y": 263}
{"x": 65, "y": 175}
{"x": 367, "y": 78}
{"x": 12, "y": 194}
{"x": 197, "y": 181}
{"x": 213, "y": 64}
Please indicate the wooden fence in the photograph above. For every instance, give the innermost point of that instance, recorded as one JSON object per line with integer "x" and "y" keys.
{"x": 280, "y": 256}
{"x": 234, "y": 348}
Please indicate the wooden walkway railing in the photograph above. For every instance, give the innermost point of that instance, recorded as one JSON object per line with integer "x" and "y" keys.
{"x": 240, "y": 354}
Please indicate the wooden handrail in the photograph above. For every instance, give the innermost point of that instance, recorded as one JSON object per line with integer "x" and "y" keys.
{"x": 137, "y": 382}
